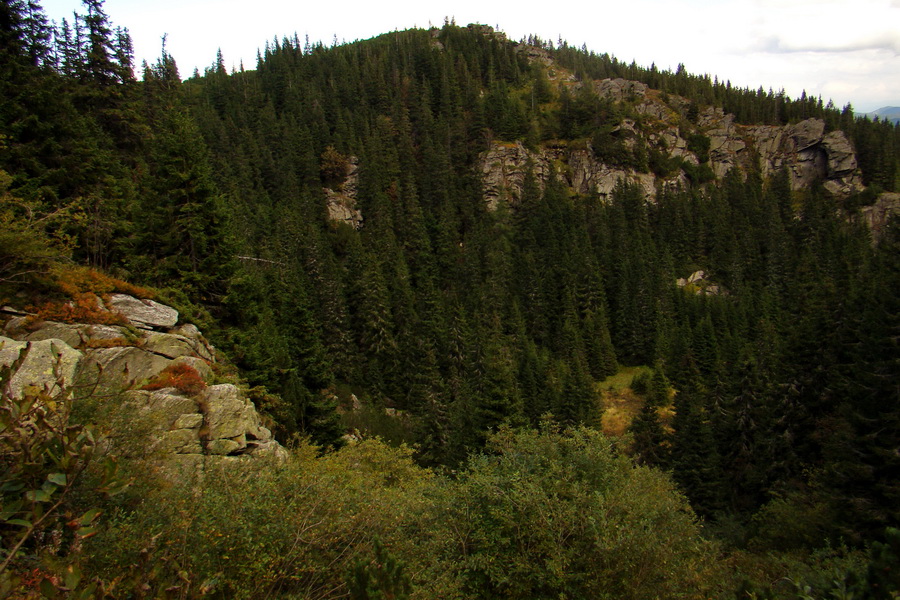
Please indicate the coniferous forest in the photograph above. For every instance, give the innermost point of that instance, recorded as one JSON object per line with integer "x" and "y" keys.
{"x": 444, "y": 370}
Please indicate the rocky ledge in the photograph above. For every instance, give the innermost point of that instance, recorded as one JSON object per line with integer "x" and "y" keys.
{"x": 128, "y": 369}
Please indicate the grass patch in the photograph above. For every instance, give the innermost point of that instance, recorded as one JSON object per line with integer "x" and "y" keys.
{"x": 619, "y": 409}
{"x": 622, "y": 379}
{"x": 619, "y": 404}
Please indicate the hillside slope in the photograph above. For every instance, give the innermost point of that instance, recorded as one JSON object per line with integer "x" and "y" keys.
{"x": 434, "y": 234}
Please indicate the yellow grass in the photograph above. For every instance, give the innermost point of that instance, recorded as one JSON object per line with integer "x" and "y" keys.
{"x": 620, "y": 405}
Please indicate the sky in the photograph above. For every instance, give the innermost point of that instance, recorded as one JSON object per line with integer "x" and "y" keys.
{"x": 843, "y": 50}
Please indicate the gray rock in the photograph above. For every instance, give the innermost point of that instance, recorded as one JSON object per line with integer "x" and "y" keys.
{"x": 229, "y": 413}
{"x": 505, "y": 165}
{"x": 188, "y": 421}
{"x": 168, "y": 345}
{"x": 342, "y": 208}
{"x": 341, "y": 202}
{"x": 267, "y": 449}
{"x": 164, "y": 409}
{"x": 201, "y": 346}
{"x": 144, "y": 313}
{"x": 807, "y": 133}
{"x": 178, "y": 441}
{"x": 841, "y": 158}
{"x": 620, "y": 90}
{"x": 48, "y": 365}
{"x": 77, "y": 334}
{"x": 222, "y": 447}
{"x": 535, "y": 54}
{"x": 878, "y": 215}
{"x": 503, "y": 169}
{"x": 70, "y": 334}
{"x": 113, "y": 370}
{"x": 188, "y": 330}
{"x": 15, "y": 326}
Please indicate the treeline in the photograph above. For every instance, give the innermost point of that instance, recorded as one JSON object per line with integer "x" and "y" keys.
{"x": 465, "y": 319}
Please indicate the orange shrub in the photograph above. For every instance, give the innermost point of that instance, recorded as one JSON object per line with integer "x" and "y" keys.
{"x": 180, "y": 376}
{"x": 77, "y": 280}
{"x": 84, "y": 308}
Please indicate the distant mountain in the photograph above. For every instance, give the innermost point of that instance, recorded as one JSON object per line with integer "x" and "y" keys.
{"x": 891, "y": 113}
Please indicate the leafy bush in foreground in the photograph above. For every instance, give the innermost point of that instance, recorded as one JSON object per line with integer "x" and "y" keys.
{"x": 546, "y": 514}
{"x": 564, "y": 515}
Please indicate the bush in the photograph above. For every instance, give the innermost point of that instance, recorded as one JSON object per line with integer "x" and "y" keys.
{"x": 84, "y": 308}
{"x": 267, "y": 529}
{"x": 74, "y": 281}
{"x": 640, "y": 383}
{"x": 180, "y": 376}
{"x": 553, "y": 515}
{"x": 43, "y": 458}
{"x": 544, "y": 515}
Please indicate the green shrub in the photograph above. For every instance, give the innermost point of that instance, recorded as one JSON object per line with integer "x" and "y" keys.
{"x": 554, "y": 515}
{"x": 268, "y": 529}
{"x": 43, "y": 460}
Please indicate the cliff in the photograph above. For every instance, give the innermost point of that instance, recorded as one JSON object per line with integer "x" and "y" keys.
{"x": 659, "y": 123}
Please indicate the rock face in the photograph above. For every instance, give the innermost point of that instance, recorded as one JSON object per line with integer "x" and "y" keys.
{"x": 145, "y": 314}
{"x": 877, "y": 215}
{"x": 620, "y": 90}
{"x": 505, "y": 164}
{"x": 341, "y": 203}
{"x": 114, "y": 370}
{"x": 48, "y": 366}
{"x": 112, "y": 363}
{"x": 218, "y": 422}
{"x": 699, "y": 283}
{"x": 807, "y": 152}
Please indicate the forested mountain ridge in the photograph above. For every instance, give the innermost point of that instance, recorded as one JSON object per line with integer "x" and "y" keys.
{"x": 470, "y": 233}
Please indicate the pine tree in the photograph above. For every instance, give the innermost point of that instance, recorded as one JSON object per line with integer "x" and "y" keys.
{"x": 185, "y": 226}
{"x": 695, "y": 458}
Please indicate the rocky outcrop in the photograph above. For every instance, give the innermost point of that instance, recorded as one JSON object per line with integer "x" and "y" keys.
{"x": 805, "y": 149}
{"x": 218, "y": 422}
{"x": 877, "y": 215}
{"x": 504, "y": 166}
{"x": 111, "y": 365}
{"x": 341, "y": 202}
{"x": 808, "y": 153}
{"x": 46, "y": 366}
{"x": 145, "y": 314}
{"x": 620, "y": 90}
{"x": 699, "y": 283}
{"x": 342, "y": 209}
{"x": 503, "y": 169}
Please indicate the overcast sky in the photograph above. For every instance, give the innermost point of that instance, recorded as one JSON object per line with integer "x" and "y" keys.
{"x": 844, "y": 50}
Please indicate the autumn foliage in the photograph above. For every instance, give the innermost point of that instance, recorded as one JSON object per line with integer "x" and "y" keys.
{"x": 83, "y": 308}
{"x": 86, "y": 291}
{"x": 73, "y": 281}
{"x": 182, "y": 377}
